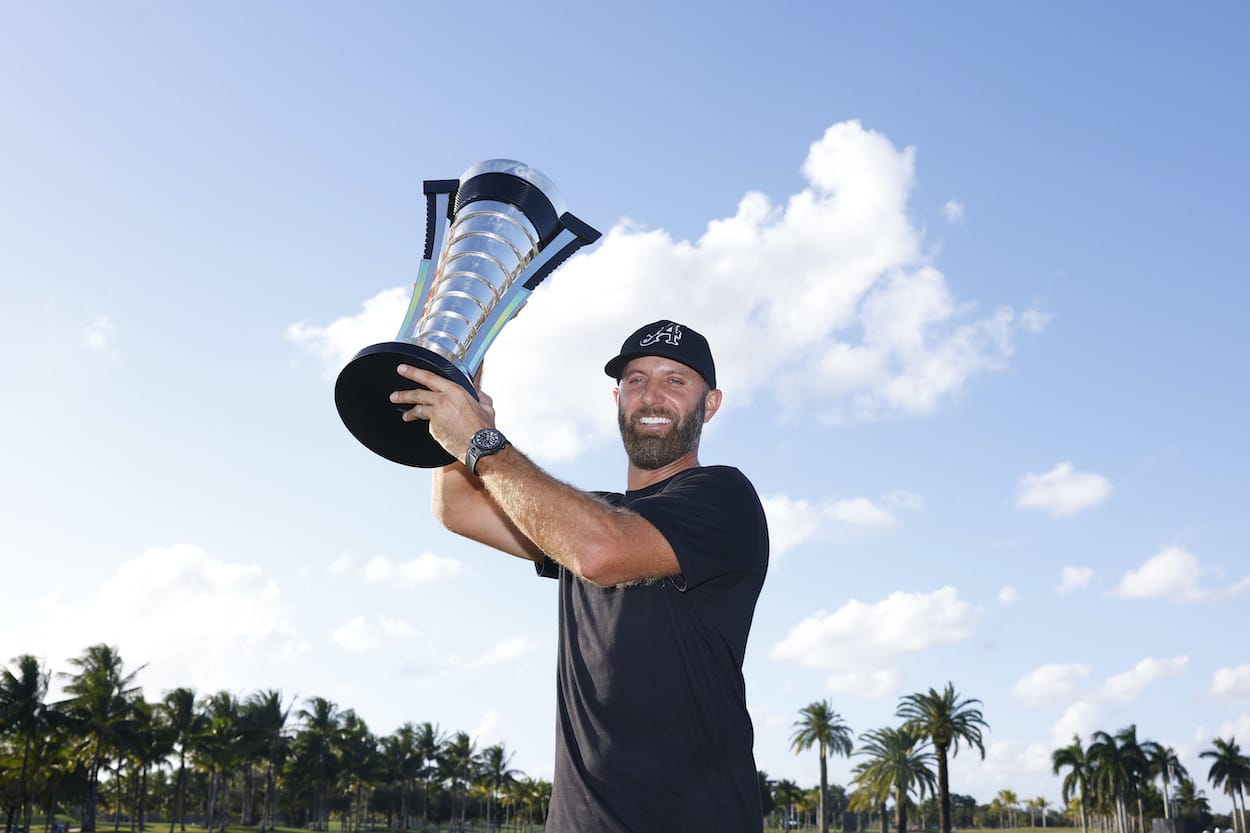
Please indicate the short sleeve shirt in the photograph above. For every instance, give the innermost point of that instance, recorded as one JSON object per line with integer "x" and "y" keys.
{"x": 653, "y": 732}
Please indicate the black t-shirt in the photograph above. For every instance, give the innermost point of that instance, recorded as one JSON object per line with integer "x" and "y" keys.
{"x": 652, "y": 726}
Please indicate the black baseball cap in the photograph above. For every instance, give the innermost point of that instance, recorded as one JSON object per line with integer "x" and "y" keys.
{"x": 668, "y": 339}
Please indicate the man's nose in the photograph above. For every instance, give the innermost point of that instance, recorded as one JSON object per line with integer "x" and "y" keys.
{"x": 651, "y": 392}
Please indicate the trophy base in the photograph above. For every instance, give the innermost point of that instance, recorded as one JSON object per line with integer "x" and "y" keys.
{"x": 362, "y": 395}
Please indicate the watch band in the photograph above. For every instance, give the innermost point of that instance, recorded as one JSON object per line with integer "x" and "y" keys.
{"x": 484, "y": 443}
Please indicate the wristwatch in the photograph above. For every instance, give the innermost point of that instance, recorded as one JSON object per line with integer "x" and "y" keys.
{"x": 486, "y": 442}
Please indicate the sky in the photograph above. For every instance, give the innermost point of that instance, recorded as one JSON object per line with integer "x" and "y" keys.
{"x": 973, "y": 274}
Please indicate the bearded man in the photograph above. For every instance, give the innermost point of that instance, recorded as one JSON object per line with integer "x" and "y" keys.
{"x": 658, "y": 587}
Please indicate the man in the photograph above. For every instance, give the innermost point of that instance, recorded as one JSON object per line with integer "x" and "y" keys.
{"x": 657, "y": 590}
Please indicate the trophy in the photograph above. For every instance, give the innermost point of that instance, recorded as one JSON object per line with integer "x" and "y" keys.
{"x": 497, "y": 233}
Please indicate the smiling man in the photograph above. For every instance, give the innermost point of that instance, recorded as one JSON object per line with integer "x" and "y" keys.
{"x": 658, "y": 586}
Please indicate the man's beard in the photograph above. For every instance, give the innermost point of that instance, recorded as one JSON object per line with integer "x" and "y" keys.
{"x": 650, "y": 452}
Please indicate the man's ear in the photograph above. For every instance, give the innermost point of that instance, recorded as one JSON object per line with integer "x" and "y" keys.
{"x": 711, "y": 404}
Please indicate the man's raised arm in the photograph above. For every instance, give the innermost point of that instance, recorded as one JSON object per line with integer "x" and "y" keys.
{"x": 462, "y": 504}
{"x": 515, "y": 506}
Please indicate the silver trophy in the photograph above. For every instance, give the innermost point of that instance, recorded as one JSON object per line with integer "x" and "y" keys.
{"x": 497, "y": 233}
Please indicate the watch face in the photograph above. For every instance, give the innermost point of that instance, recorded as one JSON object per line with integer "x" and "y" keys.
{"x": 488, "y": 439}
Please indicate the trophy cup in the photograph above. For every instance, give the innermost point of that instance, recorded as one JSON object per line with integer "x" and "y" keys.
{"x": 497, "y": 233}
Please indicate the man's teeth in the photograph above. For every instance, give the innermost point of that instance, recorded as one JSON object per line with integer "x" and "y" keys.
{"x": 654, "y": 421}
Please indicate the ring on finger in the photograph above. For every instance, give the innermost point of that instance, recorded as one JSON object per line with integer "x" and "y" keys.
{"x": 420, "y": 412}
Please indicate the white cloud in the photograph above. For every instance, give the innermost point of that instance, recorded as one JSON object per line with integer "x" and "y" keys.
{"x": 953, "y": 211}
{"x": 1033, "y": 320}
{"x": 360, "y": 636}
{"x": 1073, "y": 578}
{"x": 423, "y": 568}
{"x": 1050, "y": 684}
{"x": 763, "y": 716}
{"x": 1176, "y": 574}
{"x": 336, "y": 343}
{"x": 793, "y": 522}
{"x": 1007, "y": 761}
{"x": 1239, "y": 726}
{"x": 341, "y": 564}
{"x": 356, "y": 636}
{"x": 1232, "y": 683}
{"x": 1171, "y": 574}
{"x": 487, "y": 731}
{"x": 98, "y": 336}
{"x": 396, "y": 628}
{"x": 510, "y": 648}
{"x": 1008, "y": 595}
{"x": 860, "y": 642}
{"x": 858, "y": 512}
{"x": 1082, "y": 718}
{"x": 1062, "y": 490}
{"x": 862, "y": 326}
{"x": 1127, "y": 686}
{"x": 790, "y": 522}
{"x": 184, "y": 614}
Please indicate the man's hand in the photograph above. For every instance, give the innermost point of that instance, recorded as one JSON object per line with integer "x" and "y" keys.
{"x": 454, "y": 415}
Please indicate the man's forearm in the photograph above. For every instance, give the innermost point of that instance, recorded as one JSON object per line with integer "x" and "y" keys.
{"x": 462, "y": 504}
{"x": 596, "y": 541}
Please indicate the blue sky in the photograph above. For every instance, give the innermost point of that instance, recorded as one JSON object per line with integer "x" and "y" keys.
{"x": 972, "y": 273}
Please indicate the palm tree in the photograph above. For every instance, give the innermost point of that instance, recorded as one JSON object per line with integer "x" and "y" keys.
{"x": 24, "y": 714}
{"x": 867, "y": 798}
{"x": 1138, "y": 755}
{"x": 1042, "y": 804}
{"x": 1191, "y": 802}
{"x": 220, "y": 752}
{"x": 322, "y": 724}
{"x": 399, "y": 755}
{"x": 819, "y": 725}
{"x": 1009, "y": 800}
{"x": 1114, "y": 769}
{"x": 429, "y": 741}
{"x": 361, "y": 764}
{"x": 496, "y": 774}
{"x": 1165, "y": 765}
{"x": 1230, "y": 770}
{"x": 786, "y": 793}
{"x": 945, "y": 720}
{"x": 458, "y": 759}
{"x": 150, "y": 742}
{"x": 188, "y": 724}
{"x": 1078, "y": 780}
{"x": 99, "y": 713}
{"x": 895, "y": 762}
{"x": 1031, "y": 805}
{"x": 999, "y": 810}
{"x": 265, "y": 719}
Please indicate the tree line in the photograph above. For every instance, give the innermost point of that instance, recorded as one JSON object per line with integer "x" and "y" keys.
{"x": 222, "y": 759}
{"x": 1115, "y": 784}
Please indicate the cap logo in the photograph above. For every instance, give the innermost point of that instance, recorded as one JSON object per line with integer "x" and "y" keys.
{"x": 670, "y": 333}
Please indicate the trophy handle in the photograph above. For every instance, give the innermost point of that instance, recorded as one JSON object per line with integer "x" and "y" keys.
{"x": 582, "y": 235}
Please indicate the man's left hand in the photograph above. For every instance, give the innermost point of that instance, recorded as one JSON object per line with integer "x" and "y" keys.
{"x": 454, "y": 415}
